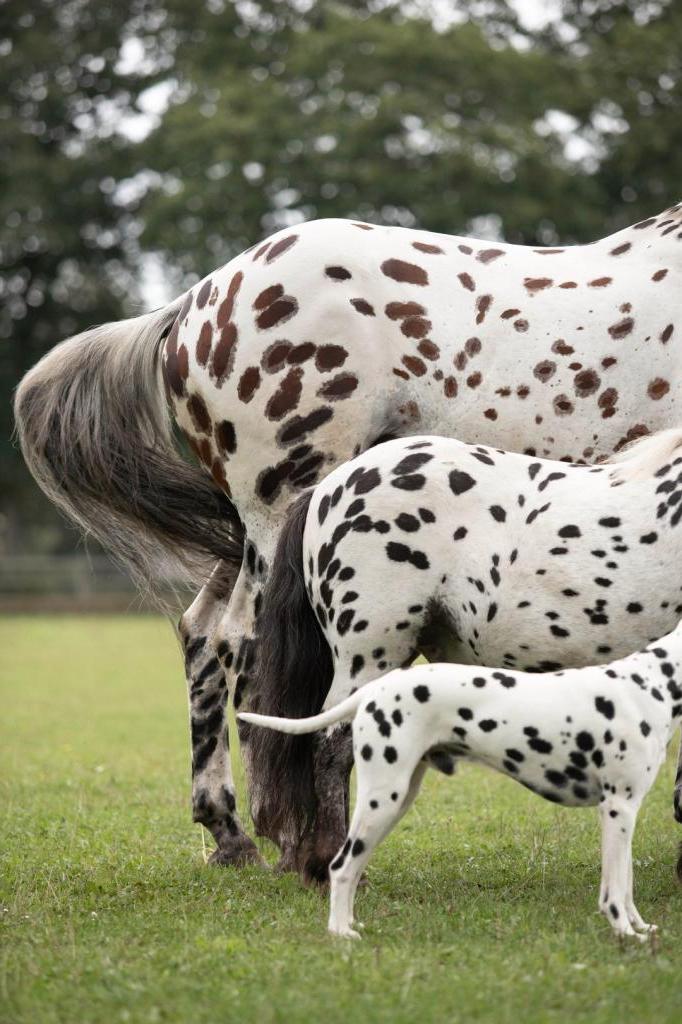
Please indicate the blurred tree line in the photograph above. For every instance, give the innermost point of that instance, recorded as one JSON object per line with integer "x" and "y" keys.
{"x": 170, "y": 134}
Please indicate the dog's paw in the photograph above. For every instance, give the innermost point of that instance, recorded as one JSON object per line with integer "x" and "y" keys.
{"x": 344, "y": 933}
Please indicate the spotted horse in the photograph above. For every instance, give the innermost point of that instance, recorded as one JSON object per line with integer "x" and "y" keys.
{"x": 466, "y": 554}
{"x": 303, "y": 352}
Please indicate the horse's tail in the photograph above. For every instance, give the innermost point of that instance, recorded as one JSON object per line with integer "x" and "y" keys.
{"x": 293, "y": 676}
{"x": 96, "y": 434}
{"x": 343, "y": 712}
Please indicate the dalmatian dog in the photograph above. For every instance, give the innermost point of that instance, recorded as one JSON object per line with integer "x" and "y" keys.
{"x": 466, "y": 554}
{"x": 301, "y": 353}
{"x": 579, "y": 737}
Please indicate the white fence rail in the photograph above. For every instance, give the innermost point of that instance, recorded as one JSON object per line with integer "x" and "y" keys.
{"x": 66, "y": 583}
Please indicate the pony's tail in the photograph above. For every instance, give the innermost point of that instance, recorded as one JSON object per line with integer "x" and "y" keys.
{"x": 96, "y": 434}
{"x": 343, "y": 712}
{"x": 293, "y": 675}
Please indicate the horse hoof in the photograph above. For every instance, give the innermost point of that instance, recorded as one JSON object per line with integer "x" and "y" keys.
{"x": 315, "y": 873}
{"x": 287, "y": 864}
{"x": 237, "y": 853}
{"x": 679, "y": 867}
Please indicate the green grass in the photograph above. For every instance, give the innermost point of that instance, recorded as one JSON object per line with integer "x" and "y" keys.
{"x": 479, "y": 907}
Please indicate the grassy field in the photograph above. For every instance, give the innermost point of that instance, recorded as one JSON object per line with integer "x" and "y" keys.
{"x": 479, "y": 907}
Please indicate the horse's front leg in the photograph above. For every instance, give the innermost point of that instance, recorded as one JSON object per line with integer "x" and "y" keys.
{"x": 213, "y": 793}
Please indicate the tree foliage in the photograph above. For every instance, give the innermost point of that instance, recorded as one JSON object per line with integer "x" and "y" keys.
{"x": 454, "y": 117}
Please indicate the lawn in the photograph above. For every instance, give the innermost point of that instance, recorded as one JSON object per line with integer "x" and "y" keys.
{"x": 479, "y": 907}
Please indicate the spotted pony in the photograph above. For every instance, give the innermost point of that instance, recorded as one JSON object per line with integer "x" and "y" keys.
{"x": 301, "y": 353}
{"x": 466, "y": 554}
{"x": 582, "y": 737}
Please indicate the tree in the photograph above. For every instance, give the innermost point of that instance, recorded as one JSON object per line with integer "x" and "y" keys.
{"x": 65, "y": 254}
{"x": 379, "y": 116}
{"x": 452, "y": 117}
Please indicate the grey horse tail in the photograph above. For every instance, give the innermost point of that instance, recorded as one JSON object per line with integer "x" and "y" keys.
{"x": 293, "y": 674}
{"x": 96, "y": 434}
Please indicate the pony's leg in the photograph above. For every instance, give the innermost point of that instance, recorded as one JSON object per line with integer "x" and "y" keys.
{"x": 618, "y": 818}
{"x": 213, "y": 794}
{"x": 332, "y": 765}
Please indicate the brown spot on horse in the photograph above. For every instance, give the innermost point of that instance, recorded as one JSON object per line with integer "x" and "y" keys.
{"x": 537, "y": 284}
{"x": 658, "y": 388}
{"x": 363, "y": 307}
{"x": 339, "y": 387}
{"x": 330, "y": 357}
{"x": 278, "y": 313}
{"x": 275, "y": 356}
{"x": 488, "y": 255}
{"x": 620, "y": 249}
{"x": 249, "y": 383}
{"x": 483, "y": 303}
{"x": 204, "y": 343}
{"x": 586, "y": 383}
{"x": 227, "y": 305}
{"x": 287, "y": 395}
{"x": 224, "y": 352}
{"x": 622, "y": 328}
{"x": 432, "y": 250}
{"x": 280, "y": 247}
{"x": 203, "y": 294}
{"x": 199, "y": 414}
{"x": 268, "y": 296}
{"x": 563, "y": 406}
{"x": 400, "y": 310}
{"x": 428, "y": 349}
{"x": 225, "y": 437}
{"x": 409, "y": 273}
{"x": 301, "y": 353}
{"x": 415, "y": 365}
{"x": 544, "y": 370}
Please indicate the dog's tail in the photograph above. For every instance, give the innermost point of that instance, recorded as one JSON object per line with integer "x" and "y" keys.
{"x": 343, "y": 712}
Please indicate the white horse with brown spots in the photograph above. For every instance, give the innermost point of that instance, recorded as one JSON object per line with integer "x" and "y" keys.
{"x": 306, "y": 350}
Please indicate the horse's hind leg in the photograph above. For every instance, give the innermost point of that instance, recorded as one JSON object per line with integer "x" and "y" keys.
{"x": 213, "y": 794}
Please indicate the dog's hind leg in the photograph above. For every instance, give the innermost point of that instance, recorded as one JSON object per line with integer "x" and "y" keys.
{"x": 381, "y": 803}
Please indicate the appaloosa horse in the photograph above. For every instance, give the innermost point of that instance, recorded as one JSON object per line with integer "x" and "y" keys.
{"x": 306, "y": 350}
